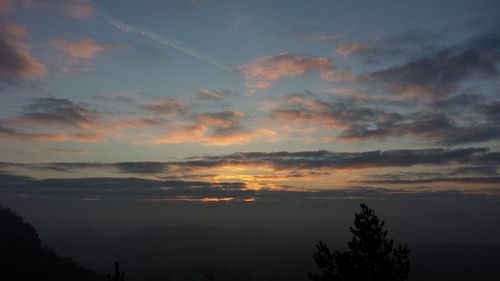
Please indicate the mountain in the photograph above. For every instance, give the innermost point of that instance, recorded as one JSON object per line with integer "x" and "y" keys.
{"x": 196, "y": 252}
{"x": 23, "y": 258}
{"x": 191, "y": 252}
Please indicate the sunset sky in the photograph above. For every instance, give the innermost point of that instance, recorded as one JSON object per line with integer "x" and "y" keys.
{"x": 198, "y": 100}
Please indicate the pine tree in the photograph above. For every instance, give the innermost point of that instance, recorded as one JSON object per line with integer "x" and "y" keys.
{"x": 371, "y": 255}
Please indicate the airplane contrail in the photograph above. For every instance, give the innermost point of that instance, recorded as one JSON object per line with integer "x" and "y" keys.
{"x": 162, "y": 40}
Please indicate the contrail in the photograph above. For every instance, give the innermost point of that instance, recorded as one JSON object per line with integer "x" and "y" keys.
{"x": 162, "y": 40}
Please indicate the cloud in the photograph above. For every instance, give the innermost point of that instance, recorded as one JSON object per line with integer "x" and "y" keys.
{"x": 83, "y": 49}
{"x": 451, "y": 121}
{"x": 137, "y": 189}
{"x": 468, "y": 180}
{"x": 132, "y": 189}
{"x": 219, "y": 128}
{"x": 437, "y": 128}
{"x": 339, "y": 76}
{"x": 302, "y": 160}
{"x": 79, "y": 9}
{"x": 17, "y": 62}
{"x": 167, "y": 106}
{"x": 444, "y": 70}
{"x": 350, "y": 49}
{"x": 56, "y": 111}
{"x": 283, "y": 170}
{"x": 388, "y": 48}
{"x": 261, "y": 72}
{"x": 305, "y": 111}
{"x": 12, "y": 134}
{"x": 475, "y": 170}
{"x": 142, "y": 167}
{"x": 353, "y": 160}
{"x": 44, "y": 119}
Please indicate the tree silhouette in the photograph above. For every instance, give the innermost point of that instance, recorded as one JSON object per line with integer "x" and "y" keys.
{"x": 371, "y": 255}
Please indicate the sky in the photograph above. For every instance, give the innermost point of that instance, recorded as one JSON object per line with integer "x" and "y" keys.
{"x": 249, "y": 101}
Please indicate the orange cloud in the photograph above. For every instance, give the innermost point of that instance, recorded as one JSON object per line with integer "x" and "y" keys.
{"x": 414, "y": 91}
{"x": 17, "y": 62}
{"x": 262, "y": 71}
{"x": 201, "y": 134}
{"x": 351, "y": 49}
{"x": 339, "y": 76}
{"x": 305, "y": 113}
{"x": 79, "y": 9}
{"x": 83, "y": 49}
{"x": 217, "y": 128}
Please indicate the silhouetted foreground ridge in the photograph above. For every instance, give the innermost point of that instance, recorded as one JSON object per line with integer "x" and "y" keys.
{"x": 22, "y": 257}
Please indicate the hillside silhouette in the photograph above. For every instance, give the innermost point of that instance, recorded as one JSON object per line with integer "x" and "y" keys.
{"x": 23, "y": 258}
{"x": 197, "y": 252}
{"x": 187, "y": 252}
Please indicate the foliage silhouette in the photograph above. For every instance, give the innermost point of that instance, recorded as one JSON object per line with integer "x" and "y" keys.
{"x": 22, "y": 257}
{"x": 371, "y": 255}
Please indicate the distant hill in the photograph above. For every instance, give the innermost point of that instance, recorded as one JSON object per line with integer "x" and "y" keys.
{"x": 189, "y": 252}
{"x": 456, "y": 261}
{"x": 22, "y": 257}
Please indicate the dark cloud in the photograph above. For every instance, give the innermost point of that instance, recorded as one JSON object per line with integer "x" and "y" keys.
{"x": 342, "y": 160}
{"x": 167, "y": 106}
{"x": 289, "y": 164}
{"x": 461, "y": 119}
{"x": 475, "y": 170}
{"x": 441, "y": 72}
{"x": 56, "y": 111}
{"x": 119, "y": 189}
{"x": 468, "y": 180}
{"x": 308, "y": 111}
{"x": 401, "y": 45}
{"x": 141, "y": 167}
{"x": 12, "y": 134}
{"x": 215, "y": 128}
{"x": 135, "y": 189}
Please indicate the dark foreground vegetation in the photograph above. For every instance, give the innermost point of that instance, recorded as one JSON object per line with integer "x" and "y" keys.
{"x": 203, "y": 253}
{"x": 23, "y": 258}
{"x": 371, "y": 255}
